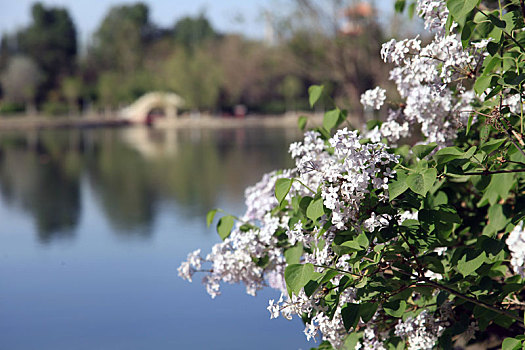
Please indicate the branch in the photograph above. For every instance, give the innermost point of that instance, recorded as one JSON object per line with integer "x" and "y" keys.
{"x": 414, "y": 254}
{"x": 338, "y": 270}
{"x": 511, "y": 132}
{"x": 505, "y": 32}
{"x": 430, "y": 283}
{"x": 490, "y": 172}
{"x": 522, "y": 4}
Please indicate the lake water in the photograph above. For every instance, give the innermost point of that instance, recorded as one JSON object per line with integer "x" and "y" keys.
{"x": 95, "y": 223}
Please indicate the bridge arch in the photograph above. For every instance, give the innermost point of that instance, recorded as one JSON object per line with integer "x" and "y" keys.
{"x": 138, "y": 111}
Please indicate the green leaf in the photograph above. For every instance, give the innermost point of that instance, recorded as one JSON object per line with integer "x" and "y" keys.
{"x": 399, "y": 6}
{"x": 447, "y": 154}
{"x": 493, "y": 92}
{"x": 330, "y": 118}
{"x": 442, "y": 219}
{"x": 282, "y": 187}
{"x": 513, "y": 19}
{"x": 496, "y": 34}
{"x": 350, "y": 342}
{"x": 482, "y": 83}
{"x": 397, "y": 187}
{"x": 497, "y": 219}
{"x": 301, "y": 122}
{"x": 496, "y": 21}
{"x": 297, "y": 276}
{"x": 210, "y": 216}
{"x": 353, "y": 244}
{"x": 484, "y": 26}
{"x": 367, "y": 311}
{"x": 315, "y": 209}
{"x": 224, "y": 226}
{"x": 466, "y": 32}
{"x": 350, "y": 315}
{"x": 511, "y": 344}
{"x": 498, "y": 188}
{"x": 460, "y": 8}
{"x": 315, "y": 92}
{"x": 492, "y": 145}
{"x": 362, "y": 240}
{"x": 491, "y": 63}
{"x": 395, "y": 308}
{"x": 416, "y": 183}
{"x": 493, "y": 48}
{"x": 470, "y": 262}
{"x": 484, "y": 133}
{"x": 429, "y": 177}
{"x": 293, "y": 254}
{"x": 469, "y": 122}
{"x": 411, "y": 10}
{"x": 421, "y": 151}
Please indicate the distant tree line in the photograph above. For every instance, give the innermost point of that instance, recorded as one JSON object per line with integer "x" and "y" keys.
{"x": 42, "y": 70}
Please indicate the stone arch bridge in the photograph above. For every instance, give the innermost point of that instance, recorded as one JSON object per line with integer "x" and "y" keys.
{"x": 139, "y": 111}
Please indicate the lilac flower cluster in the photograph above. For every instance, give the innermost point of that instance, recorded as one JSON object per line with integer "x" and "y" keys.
{"x": 374, "y": 98}
{"x": 429, "y": 79}
{"x": 346, "y": 171}
{"x": 516, "y": 244}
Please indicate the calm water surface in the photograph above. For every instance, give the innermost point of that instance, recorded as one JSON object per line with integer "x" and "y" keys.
{"x": 95, "y": 223}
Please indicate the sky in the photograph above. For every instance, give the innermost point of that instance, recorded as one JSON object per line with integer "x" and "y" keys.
{"x": 225, "y": 15}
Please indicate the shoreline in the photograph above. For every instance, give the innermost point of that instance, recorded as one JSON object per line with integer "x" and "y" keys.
{"x": 27, "y": 122}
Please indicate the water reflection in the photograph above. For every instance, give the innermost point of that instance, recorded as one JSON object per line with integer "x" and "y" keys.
{"x": 131, "y": 172}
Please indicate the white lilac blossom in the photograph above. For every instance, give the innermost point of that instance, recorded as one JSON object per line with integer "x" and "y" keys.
{"x": 516, "y": 244}
{"x": 188, "y": 268}
{"x": 372, "y": 340}
{"x": 348, "y": 171}
{"x": 347, "y": 175}
{"x": 374, "y": 98}
{"x": 421, "y": 332}
{"x": 435, "y": 14}
{"x": 330, "y": 328}
{"x": 376, "y": 222}
{"x": 428, "y": 78}
{"x": 297, "y": 235}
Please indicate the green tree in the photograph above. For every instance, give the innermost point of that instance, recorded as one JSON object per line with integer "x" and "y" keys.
{"x": 291, "y": 88}
{"x": 191, "y": 32}
{"x": 20, "y": 81}
{"x": 329, "y": 48}
{"x": 119, "y": 41}
{"x": 196, "y": 77}
{"x": 108, "y": 90}
{"x": 72, "y": 89}
{"x": 51, "y": 41}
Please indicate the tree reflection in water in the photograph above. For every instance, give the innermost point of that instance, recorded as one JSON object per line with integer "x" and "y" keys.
{"x": 130, "y": 172}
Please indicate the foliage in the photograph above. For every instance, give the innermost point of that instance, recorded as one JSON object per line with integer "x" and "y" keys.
{"x": 72, "y": 90}
{"x": 195, "y": 77}
{"x": 266, "y": 77}
{"x": 377, "y": 244}
{"x": 21, "y": 80}
{"x": 121, "y": 37}
{"x": 291, "y": 89}
{"x": 55, "y": 108}
{"x": 50, "y": 41}
{"x": 11, "y": 108}
{"x": 191, "y": 32}
{"x": 332, "y": 41}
